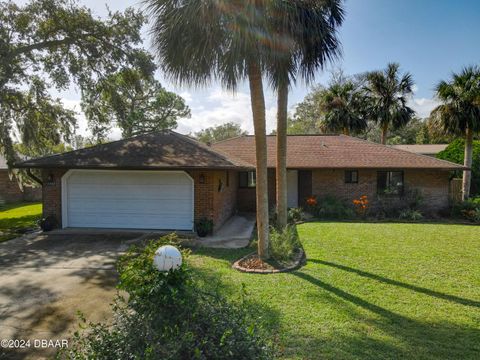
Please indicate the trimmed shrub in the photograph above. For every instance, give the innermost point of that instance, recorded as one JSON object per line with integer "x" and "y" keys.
{"x": 411, "y": 215}
{"x": 469, "y": 209}
{"x": 295, "y": 215}
{"x": 284, "y": 245}
{"x": 393, "y": 206}
{"x": 330, "y": 207}
{"x": 169, "y": 315}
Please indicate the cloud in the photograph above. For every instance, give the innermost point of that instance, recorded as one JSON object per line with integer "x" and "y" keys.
{"x": 219, "y": 107}
{"x": 187, "y": 96}
{"x": 423, "y": 106}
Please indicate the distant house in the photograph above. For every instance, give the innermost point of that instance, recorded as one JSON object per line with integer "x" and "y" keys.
{"x": 424, "y": 149}
{"x": 11, "y": 192}
{"x": 166, "y": 180}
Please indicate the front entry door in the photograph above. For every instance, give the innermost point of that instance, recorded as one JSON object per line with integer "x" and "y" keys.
{"x": 292, "y": 188}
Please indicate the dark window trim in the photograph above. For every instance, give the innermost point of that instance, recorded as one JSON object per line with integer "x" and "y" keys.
{"x": 240, "y": 186}
{"x": 402, "y": 190}
{"x": 348, "y": 177}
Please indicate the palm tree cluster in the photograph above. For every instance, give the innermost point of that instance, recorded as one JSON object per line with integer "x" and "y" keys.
{"x": 348, "y": 104}
{"x": 231, "y": 41}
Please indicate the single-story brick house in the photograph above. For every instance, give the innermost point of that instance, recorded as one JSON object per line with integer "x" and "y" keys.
{"x": 10, "y": 190}
{"x": 166, "y": 180}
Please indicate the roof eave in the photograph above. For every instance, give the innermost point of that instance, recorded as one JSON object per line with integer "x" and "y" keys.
{"x": 115, "y": 167}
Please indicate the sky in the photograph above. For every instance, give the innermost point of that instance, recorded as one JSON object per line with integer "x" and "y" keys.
{"x": 428, "y": 38}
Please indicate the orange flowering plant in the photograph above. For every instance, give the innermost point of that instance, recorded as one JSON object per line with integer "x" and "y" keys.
{"x": 312, "y": 204}
{"x": 361, "y": 205}
{"x": 312, "y": 201}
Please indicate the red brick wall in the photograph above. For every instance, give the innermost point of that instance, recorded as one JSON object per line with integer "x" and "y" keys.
{"x": 208, "y": 200}
{"x": 225, "y": 197}
{"x": 213, "y": 200}
{"x": 10, "y": 190}
{"x": 52, "y": 194}
{"x": 433, "y": 186}
{"x": 247, "y": 198}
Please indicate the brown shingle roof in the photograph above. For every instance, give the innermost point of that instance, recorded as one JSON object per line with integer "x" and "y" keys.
{"x": 159, "y": 150}
{"x": 168, "y": 149}
{"x": 331, "y": 151}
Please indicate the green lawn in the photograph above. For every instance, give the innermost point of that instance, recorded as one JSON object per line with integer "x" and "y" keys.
{"x": 368, "y": 291}
{"x": 15, "y": 217}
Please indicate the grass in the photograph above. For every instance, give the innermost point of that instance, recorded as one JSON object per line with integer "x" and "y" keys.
{"x": 15, "y": 217}
{"x": 383, "y": 291}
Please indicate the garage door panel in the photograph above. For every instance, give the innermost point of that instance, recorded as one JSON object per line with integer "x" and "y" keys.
{"x": 129, "y": 199}
{"x": 130, "y": 222}
{"x": 132, "y": 207}
{"x": 145, "y": 192}
{"x": 140, "y": 179}
{"x": 131, "y": 195}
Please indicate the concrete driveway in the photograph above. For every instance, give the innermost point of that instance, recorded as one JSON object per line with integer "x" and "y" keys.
{"x": 45, "y": 279}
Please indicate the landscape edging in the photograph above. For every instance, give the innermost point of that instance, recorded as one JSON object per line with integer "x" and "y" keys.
{"x": 299, "y": 262}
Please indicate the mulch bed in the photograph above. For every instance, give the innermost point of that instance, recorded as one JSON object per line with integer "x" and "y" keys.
{"x": 252, "y": 263}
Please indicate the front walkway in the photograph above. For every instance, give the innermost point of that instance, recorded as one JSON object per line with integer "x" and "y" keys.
{"x": 236, "y": 233}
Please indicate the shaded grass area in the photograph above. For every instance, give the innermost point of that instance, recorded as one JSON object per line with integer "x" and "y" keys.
{"x": 15, "y": 218}
{"x": 367, "y": 291}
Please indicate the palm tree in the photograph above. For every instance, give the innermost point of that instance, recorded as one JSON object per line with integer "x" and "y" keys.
{"x": 304, "y": 39}
{"x": 388, "y": 92}
{"x": 343, "y": 106}
{"x": 198, "y": 41}
{"x": 459, "y": 113}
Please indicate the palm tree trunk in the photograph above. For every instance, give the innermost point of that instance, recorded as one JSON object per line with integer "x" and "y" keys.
{"x": 384, "y": 134}
{"x": 346, "y": 131}
{"x": 282, "y": 108}
{"x": 467, "y": 174}
{"x": 258, "y": 111}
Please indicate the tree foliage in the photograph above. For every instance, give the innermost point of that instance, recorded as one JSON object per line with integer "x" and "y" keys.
{"x": 47, "y": 44}
{"x": 220, "y": 132}
{"x": 460, "y": 108}
{"x": 459, "y": 113}
{"x": 387, "y": 92}
{"x": 344, "y": 106}
{"x": 134, "y": 101}
{"x": 455, "y": 152}
{"x": 341, "y": 106}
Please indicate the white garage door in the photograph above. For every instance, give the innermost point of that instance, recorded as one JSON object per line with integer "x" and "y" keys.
{"x": 127, "y": 199}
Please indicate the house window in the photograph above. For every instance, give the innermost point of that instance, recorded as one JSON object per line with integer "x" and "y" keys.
{"x": 247, "y": 179}
{"x": 390, "y": 182}
{"x": 351, "y": 177}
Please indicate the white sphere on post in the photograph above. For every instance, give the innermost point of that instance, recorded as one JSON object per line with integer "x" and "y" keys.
{"x": 167, "y": 258}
